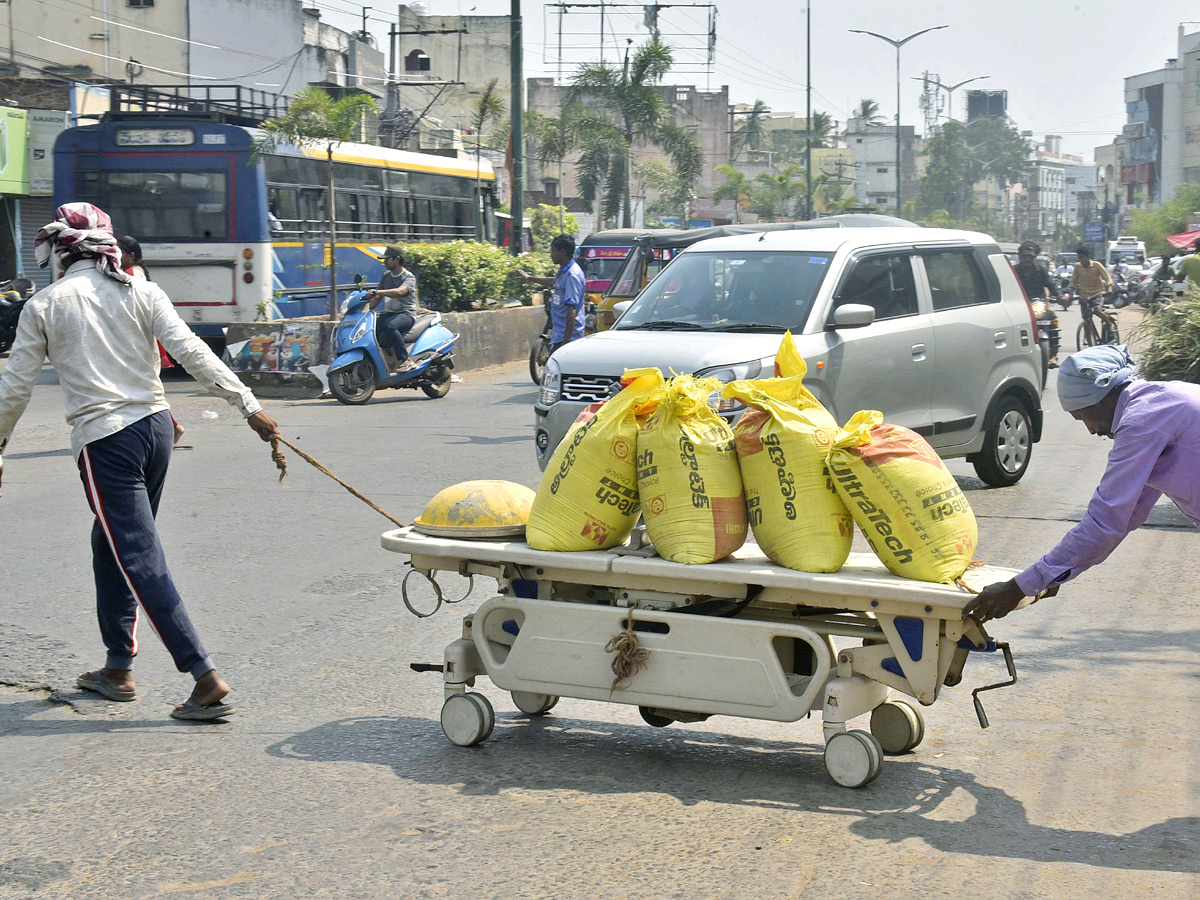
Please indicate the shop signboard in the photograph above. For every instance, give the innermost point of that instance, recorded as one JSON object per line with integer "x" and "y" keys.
{"x": 13, "y": 163}
{"x": 45, "y": 125}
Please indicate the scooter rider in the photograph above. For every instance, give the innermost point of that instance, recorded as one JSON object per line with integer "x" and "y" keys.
{"x": 398, "y": 292}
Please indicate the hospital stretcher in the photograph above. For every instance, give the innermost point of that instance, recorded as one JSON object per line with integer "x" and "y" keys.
{"x": 740, "y": 637}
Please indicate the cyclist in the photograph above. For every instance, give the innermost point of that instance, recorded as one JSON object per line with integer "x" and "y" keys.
{"x": 1094, "y": 284}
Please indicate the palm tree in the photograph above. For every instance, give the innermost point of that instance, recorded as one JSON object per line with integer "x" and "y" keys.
{"x": 737, "y": 187}
{"x": 315, "y": 120}
{"x": 775, "y": 195}
{"x": 749, "y": 135}
{"x": 822, "y": 126}
{"x": 488, "y": 108}
{"x": 553, "y": 139}
{"x": 628, "y": 99}
{"x": 868, "y": 111}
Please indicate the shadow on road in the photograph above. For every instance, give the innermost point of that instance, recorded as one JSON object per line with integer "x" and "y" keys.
{"x": 562, "y": 754}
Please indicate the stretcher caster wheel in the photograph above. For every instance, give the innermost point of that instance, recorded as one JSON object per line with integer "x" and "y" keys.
{"x": 853, "y": 758}
{"x": 897, "y": 726}
{"x": 467, "y": 719}
{"x": 650, "y": 717}
{"x": 534, "y": 704}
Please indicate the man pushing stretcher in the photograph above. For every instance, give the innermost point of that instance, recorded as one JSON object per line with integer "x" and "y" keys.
{"x": 1155, "y": 428}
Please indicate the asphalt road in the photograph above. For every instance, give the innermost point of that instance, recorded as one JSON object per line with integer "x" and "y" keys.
{"x": 334, "y": 779}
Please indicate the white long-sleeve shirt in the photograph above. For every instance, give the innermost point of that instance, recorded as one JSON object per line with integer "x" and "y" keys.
{"x": 99, "y": 334}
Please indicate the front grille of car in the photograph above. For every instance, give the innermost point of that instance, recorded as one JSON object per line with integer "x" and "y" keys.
{"x": 588, "y": 388}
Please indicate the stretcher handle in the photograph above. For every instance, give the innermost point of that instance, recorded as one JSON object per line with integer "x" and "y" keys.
{"x": 1012, "y": 672}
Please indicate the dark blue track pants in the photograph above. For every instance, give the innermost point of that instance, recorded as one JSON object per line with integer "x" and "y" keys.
{"x": 391, "y": 331}
{"x": 123, "y": 475}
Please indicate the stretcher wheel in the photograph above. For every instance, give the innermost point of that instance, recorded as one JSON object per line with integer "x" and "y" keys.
{"x": 650, "y": 717}
{"x": 897, "y": 726}
{"x": 467, "y": 719}
{"x": 534, "y": 704}
{"x": 853, "y": 758}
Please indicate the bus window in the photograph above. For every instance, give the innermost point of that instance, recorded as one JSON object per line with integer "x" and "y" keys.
{"x": 374, "y": 223}
{"x": 286, "y": 207}
{"x": 312, "y": 211}
{"x": 346, "y": 206}
{"x": 443, "y": 218}
{"x": 162, "y": 206}
{"x": 423, "y": 217}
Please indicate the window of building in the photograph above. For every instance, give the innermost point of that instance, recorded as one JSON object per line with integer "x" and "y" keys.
{"x": 417, "y": 61}
{"x": 682, "y": 93}
{"x": 140, "y": 4}
{"x": 550, "y": 188}
{"x": 882, "y": 171}
{"x": 858, "y": 140}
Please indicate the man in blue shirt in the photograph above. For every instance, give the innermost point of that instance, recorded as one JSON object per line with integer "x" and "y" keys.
{"x": 568, "y": 311}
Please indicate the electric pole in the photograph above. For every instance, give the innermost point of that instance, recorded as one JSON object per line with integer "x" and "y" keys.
{"x": 517, "y": 206}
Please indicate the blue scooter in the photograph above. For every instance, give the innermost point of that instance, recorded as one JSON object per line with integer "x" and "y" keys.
{"x": 358, "y": 366}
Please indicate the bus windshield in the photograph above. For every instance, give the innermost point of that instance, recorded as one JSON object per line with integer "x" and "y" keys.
{"x": 162, "y": 206}
{"x": 770, "y": 291}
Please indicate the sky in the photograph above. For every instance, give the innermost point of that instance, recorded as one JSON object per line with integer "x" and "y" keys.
{"x": 1062, "y": 63}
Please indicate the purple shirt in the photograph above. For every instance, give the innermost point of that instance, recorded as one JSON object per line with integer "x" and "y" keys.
{"x": 1156, "y": 451}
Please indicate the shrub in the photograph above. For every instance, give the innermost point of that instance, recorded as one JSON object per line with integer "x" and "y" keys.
{"x": 543, "y": 222}
{"x": 460, "y": 275}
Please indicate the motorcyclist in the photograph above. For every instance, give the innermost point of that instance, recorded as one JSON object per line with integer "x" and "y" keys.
{"x": 1037, "y": 281}
{"x": 398, "y": 292}
{"x": 1094, "y": 285}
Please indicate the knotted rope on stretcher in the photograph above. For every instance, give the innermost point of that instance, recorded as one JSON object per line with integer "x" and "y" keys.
{"x": 281, "y": 464}
{"x": 630, "y": 657}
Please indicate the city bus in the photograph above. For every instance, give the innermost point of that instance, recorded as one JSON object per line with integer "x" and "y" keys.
{"x": 231, "y": 236}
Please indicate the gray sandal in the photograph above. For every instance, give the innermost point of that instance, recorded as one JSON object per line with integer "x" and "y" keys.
{"x": 193, "y": 711}
{"x": 96, "y": 682}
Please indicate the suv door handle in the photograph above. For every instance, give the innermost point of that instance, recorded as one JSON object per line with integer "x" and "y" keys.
{"x": 918, "y": 352}
{"x": 1001, "y": 339}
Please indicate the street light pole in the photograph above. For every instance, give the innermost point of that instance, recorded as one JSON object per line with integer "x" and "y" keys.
{"x": 950, "y": 89}
{"x": 898, "y": 44}
{"x": 808, "y": 192}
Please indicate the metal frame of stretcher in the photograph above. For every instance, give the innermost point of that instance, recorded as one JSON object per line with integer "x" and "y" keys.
{"x": 739, "y": 637}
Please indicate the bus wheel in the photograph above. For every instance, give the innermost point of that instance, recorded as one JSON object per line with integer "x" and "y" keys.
{"x": 354, "y": 385}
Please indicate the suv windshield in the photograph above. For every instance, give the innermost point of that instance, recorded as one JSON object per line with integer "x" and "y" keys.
{"x": 748, "y": 290}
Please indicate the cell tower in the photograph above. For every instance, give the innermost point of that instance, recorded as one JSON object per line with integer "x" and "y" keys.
{"x": 933, "y": 104}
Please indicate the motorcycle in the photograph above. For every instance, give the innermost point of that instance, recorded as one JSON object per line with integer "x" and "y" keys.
{"x": 539, "y": 353}
{"x": 1048, "y": 332}
{"x": 13, "y": 295}
{"x": 359, "y": 368}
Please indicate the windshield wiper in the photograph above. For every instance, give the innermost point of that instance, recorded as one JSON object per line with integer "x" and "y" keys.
{"x": 751, "y": 326}
{"x": 667, "y": 324}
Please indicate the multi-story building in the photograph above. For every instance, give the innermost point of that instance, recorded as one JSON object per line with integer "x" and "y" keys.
{"x": 874, "y": 149}
{"x": 1162, "y": 130}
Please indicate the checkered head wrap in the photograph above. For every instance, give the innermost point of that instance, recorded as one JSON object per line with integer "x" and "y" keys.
{"x": 82, "y": 228}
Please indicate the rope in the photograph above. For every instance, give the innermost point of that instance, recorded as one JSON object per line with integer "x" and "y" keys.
{"x": 281, "y": 464}
{"x": 630, "y": 658}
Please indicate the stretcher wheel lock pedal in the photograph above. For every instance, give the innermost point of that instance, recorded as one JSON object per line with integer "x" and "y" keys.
{"x": 1012, "y": 679}
{"x": 427, "y": 667}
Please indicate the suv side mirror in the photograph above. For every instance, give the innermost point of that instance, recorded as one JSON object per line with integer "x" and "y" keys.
{"x": 852, "y": 315}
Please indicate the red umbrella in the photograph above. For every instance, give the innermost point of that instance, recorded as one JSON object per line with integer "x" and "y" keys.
{"x": 1184, "y": 240}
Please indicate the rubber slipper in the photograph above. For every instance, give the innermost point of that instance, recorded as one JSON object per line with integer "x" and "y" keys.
{"x": 95, "y": 681}
{"x": 193, "y": 711}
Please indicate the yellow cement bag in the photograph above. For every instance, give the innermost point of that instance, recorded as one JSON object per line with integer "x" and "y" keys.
{"x": 688, "y": 476}
{"x": 587, "y": 498}
{"x": 904, "y": 499}
{"x": 783, "y": 439}
{"x": 788, "y": 361}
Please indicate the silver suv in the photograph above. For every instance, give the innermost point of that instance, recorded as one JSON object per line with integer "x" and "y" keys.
{"x": 930, "y": 326}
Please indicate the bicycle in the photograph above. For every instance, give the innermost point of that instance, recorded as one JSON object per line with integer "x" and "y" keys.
{"x": 1085, "y": 334}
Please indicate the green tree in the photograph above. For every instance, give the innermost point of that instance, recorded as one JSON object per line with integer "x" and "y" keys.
{"x": 736, "y": 187}
{"x": 868, "y": 111}
{"x": 552, "y": 139}
{"x": 1156, "y": 224}
{"x": 487, "y": 109}
{"x": 960, "y": 156}
{"x": 628, "y": 99}
{"x": 775, "y": 196}
{"x": 548, "y": 222}
{"x": 315, "y": 120}
{"x": 749, "y": 134}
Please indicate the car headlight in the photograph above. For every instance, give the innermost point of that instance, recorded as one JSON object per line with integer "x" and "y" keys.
{"x": 740, "y": 372}
{"x": 551, "y": 389}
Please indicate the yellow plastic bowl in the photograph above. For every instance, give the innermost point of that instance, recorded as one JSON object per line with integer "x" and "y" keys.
{"x": 477, "y": 509}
